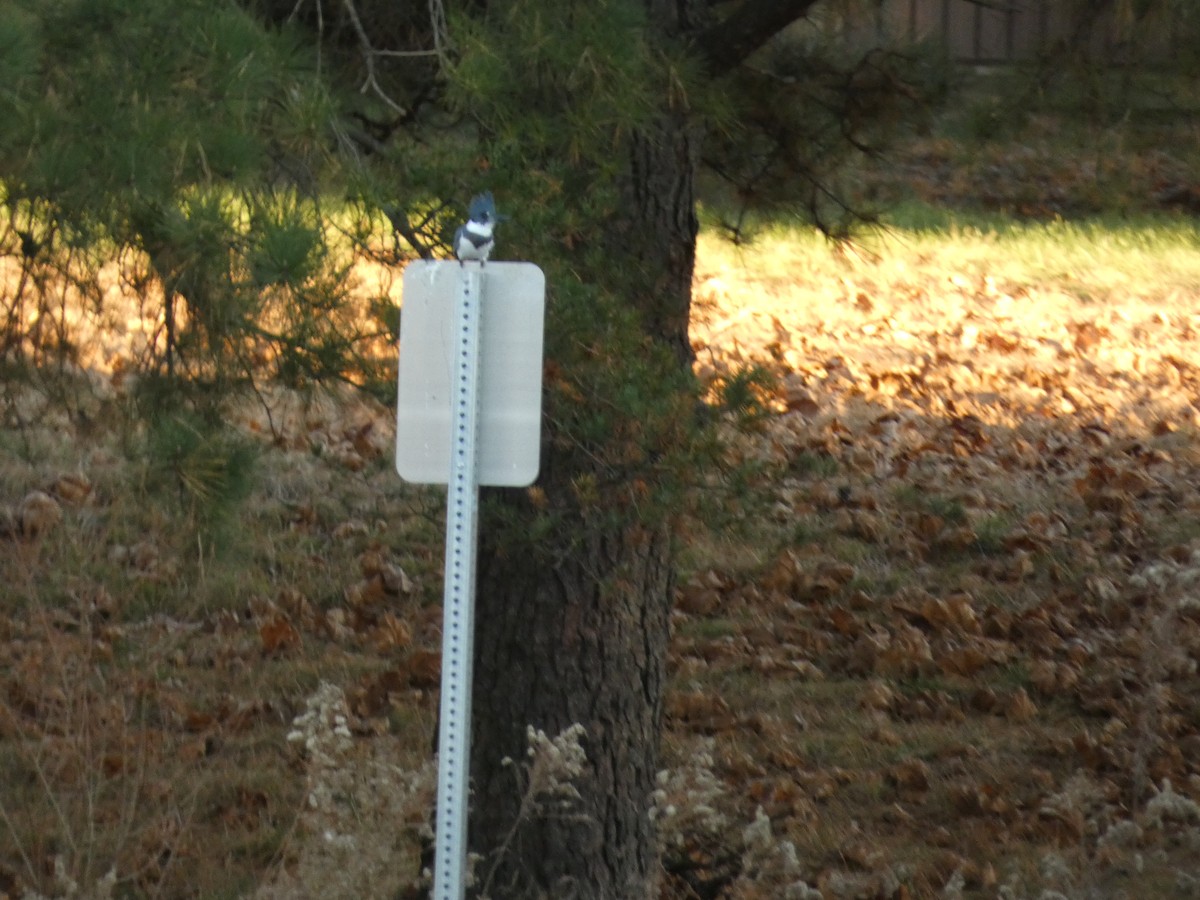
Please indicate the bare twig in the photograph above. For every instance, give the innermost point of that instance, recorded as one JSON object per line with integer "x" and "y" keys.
{"x": 441, "y": 35}
{"x": 371, "y": 54}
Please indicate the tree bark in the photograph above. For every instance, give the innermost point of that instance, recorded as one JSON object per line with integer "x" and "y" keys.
{"x": 578, "y": 633}
{"x": 575, "y": 629}
{"x": 660, "y": 232}
{"x": 581, "y": 641}
{"x": 726, "y": 43}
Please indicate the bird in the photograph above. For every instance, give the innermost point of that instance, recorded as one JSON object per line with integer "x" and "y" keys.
{"x": 475, "y": 239}
{"x": 30, "y": 246}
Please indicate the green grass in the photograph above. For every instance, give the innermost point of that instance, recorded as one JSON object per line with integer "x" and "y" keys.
{"x": 709, "y": 629}
{"x": 990, "y": 533}
{"x": 813, "y": 464}
{"x": 1104, "y": 259}
{"x": 1101, "y": 259}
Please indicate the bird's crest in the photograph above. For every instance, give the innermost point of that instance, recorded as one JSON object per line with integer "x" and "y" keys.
{"x": 482, "y": 208}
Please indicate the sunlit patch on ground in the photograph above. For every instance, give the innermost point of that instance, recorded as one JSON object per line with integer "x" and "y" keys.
{"x": 951, "y": 650}
{"x": 964, "y": 669}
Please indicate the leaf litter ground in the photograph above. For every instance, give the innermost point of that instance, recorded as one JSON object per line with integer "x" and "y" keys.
{"x": 951, "y": 651}
{"x": 971, "y": 669}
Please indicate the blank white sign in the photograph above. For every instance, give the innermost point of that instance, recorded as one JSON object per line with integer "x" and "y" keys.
{"x": 511, "y": 314}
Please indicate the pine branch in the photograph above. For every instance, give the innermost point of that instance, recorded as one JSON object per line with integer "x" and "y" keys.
{"x": 728, "y": 42}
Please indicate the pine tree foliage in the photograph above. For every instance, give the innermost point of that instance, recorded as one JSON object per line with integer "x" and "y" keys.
{"x": 205, "y": 142}
{"x": 210, "y": 469}
{"x": 553, "y": 144}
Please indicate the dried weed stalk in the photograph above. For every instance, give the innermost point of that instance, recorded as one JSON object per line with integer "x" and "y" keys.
{"x": 364, "y": 812}
{"x": 94, "y": 796}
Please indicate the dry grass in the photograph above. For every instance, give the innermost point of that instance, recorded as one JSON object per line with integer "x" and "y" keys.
{"x": 957, "y": 657}
{"x": 950, "y": 680}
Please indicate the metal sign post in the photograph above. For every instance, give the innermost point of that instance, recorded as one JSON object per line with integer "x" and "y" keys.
{"x": 458, "y": 634}
{"x": 468, "y": 414}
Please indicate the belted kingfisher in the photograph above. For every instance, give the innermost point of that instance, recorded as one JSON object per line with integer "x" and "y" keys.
{"x": 475, "y": 239}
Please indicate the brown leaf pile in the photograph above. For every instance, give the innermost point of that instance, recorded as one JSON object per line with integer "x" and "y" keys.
{"x": 953, "y": 654}
{"x": 976, "y": 647}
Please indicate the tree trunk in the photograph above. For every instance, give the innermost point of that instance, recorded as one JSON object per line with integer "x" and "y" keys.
{"x": 575, "y": 630}
{"x": 660, "y": 233}
{"x": 581, "y": 641}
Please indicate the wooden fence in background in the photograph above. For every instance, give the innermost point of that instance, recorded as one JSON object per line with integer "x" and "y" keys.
{"x": 1004, "y": 31}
